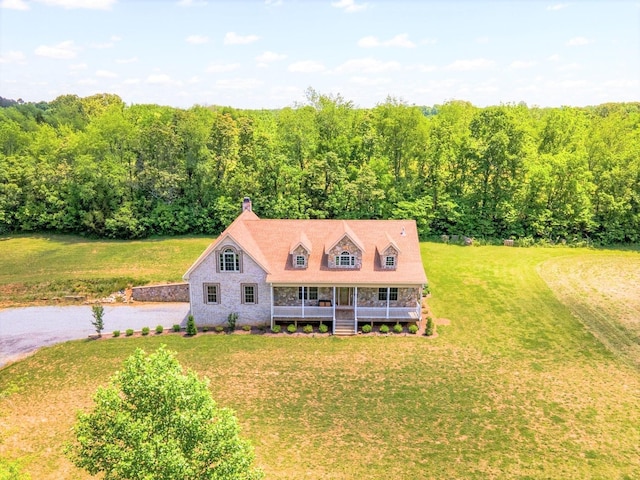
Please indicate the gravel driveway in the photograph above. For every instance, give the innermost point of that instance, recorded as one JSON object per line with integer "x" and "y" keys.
{"x": 24, "y": 330}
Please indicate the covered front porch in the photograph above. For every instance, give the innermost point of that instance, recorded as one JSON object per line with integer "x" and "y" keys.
{"x": 344, "y": 306}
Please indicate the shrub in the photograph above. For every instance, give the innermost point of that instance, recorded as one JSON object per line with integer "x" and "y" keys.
{"x": 129, "y": 332}
{"x": 116, "y": 333}
{"x": 384, "y": 328}
{"x": 366, "y": 328}
{"x": 292, "y": 328}
{"x": 276, "y": 329}
{"x": 246, "y": 328}
{"x": 397, "y": 328}
{"x": 231, "y": 321}
{"x": 159, "y": 329}
{"x": 323, "y": 328}
{"x": 205, "y": 328}
{"x": 176, "y": 328}
{"x": 145, "y": 331}
{"x": 219, "y": 328}
{"x": 191, "y": 326}
{"x": 413, "y": 329}
{"x": 98, "y": 318}
{"x": 307, "y": 329}
{"x": 428, "y": 331}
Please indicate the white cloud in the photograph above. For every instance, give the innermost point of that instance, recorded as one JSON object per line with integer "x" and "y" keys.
{"x": 232, "y": 38}
{"x": 557, "y": 6}
{"x": 400, "y": 40}
{"x": 87, "y": 81}
{"x": 568, "y": 67}
{"x": 127, "y": 60}
{"x": 578, "y": 42}
{"x": 238, "y": 83}
{"x": 161, "y": 79}
{"x": 102, "y": 45}
{"x": 475, "y": 64}
{"x": 88, "y": 4}
{"x": 193, "y": 80}
{"x": 554, "y": 58}
{"x": 222, "y": 67}
{"x": 131, "y": 81}
{"x": 14, "y": 4}
{"x": 61, "y": 51}
{"x": 106, "y": 74}
{"x": 520, "y": 64}
{"x": 307, "y": 66}
{"x": 192, "y": 3}
{"x": 367, "y": 65}
{"x": 273, "y": 3}
{"x": 268, "y": 57}
{"x": 13, "y": 56}
{"x": 368, "y": 81}
{"x": 197, "y": 39}
{"x": 77, "y": 67}
{"x": 350, "y": 6}
{"x": 421, "y": 67}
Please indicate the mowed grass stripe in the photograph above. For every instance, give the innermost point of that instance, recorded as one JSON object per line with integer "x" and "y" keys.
{"x": 514, "y": 387}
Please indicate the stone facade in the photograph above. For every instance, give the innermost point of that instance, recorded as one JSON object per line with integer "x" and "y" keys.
{"x": 390, "y": 251}
{"x": 344, "y": 245}
{"x": 174, "y": 292}
{"x": 407, "y": 297}
{"x": 299, "y": 250}
{"x": 288, "y": 296}
{"x": 230, "y": 291}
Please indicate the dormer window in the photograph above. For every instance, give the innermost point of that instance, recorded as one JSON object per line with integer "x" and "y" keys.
{"x": 345, "y": 259}
{"x": 300, "y": 261}
{"x": 390, "y": 261}
{"x": 229, "y": 261}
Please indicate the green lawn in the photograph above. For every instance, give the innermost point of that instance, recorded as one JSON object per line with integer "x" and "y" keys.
{"x": 515, "y": 387}
{"x": 40, "y": 268}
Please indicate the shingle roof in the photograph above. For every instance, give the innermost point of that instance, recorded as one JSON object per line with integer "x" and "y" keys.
{"x": 269, "y": 243}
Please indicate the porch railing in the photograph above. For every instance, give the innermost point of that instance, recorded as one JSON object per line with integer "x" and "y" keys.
{"x": 296, "y": 312}
{"x": 395, "y": 313}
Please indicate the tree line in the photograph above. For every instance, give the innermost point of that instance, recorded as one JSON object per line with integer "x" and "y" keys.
{"x": 96, "y": 166}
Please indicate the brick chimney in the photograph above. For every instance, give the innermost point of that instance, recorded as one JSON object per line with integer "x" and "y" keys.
{"x": 246, "y": 204}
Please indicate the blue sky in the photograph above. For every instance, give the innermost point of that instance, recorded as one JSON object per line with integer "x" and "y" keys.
{"x": 266, "y": 53}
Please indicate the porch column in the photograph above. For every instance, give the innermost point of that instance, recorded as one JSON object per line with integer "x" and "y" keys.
{"x": 333, "y": 303}
{"x": 303, "y": 301}
{"x": 388, "y": 295}
{"x": 271, "y": 286}
{"x": 355, "y": 310}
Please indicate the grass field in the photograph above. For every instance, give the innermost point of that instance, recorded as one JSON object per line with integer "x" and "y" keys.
{"x": 514, "y": 387}
{"x": 37, "y": 269}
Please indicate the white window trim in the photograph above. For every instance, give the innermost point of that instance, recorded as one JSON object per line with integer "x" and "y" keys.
{"x": 296, "y": 262}
{"x": 243, "y": 293}
{"x": 235, "y": 260}
{"x": 205, "y": 292}
{"x": 345, "y": 260}
{"x": 307, "y": 292}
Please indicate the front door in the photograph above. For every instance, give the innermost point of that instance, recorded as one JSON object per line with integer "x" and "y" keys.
{"x": 345, "y": 296}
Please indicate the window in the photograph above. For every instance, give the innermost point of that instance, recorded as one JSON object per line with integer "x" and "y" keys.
{"x": 229, "y": 261}
{"x": 390, "y": 261}
{"x": 382, "y": 294}
{"x": 301, "y": 261}
{"x": 310, "y": 293}
{"x": 249, "y": 293}
{"x": 211, "y": 293}
{"x": 345, "y": 259}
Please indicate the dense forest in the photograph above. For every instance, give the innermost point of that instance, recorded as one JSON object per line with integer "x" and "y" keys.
{"x": 96, "y": 166}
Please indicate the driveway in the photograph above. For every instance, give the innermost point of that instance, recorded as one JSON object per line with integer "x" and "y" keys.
{"x": 24, "y": 330}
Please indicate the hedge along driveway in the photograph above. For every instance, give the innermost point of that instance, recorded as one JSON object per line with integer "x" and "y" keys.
{"x": 24, "y": 330}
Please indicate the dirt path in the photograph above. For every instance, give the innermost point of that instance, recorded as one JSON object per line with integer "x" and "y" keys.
{"x": 24, "y": 330}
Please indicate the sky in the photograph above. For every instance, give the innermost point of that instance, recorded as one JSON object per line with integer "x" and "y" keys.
{"x": 267, "y": 53}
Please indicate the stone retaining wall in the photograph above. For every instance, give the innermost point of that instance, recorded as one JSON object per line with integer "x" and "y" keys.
{"x": 173, "y": 292}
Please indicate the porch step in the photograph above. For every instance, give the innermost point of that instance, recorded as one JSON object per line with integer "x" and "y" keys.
{"x": 344, "y": 326}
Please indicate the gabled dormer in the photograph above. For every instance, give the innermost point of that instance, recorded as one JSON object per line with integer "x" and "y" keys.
{"x": 388, "y": 253}
{"x": 344, "y": 249}
{"x": 300, "y": 251}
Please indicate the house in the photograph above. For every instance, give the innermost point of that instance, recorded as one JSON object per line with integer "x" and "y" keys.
{"x": 339, "y": 272}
